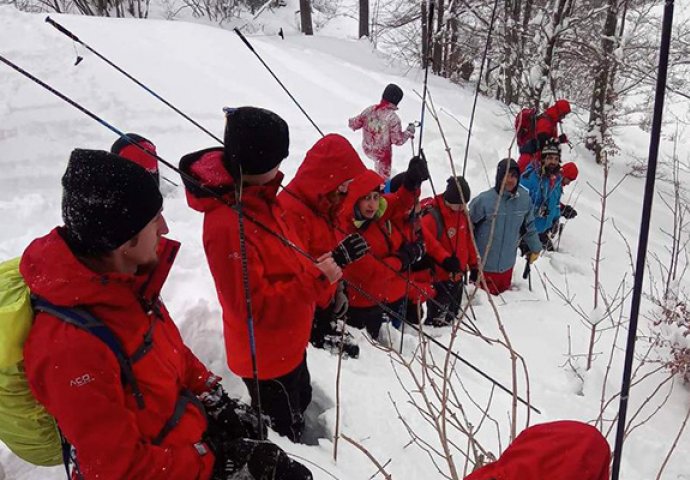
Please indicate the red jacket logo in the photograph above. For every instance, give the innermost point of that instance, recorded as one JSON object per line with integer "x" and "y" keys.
{"x": 81, "y": 381}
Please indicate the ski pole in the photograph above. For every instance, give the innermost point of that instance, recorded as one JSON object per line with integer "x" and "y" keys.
{"x": 667, "y": 26}
{"x": 479, "y": 82}
{"x": 69, "y": 34}
{"x": 249, "y": 46}
{"x": 288, "y": 243}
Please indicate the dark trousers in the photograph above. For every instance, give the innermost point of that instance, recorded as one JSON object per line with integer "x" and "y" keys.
{"x": 370, "y": 318}
{"x": 284, "y": 400}
{"x": 321, "y": 326}
{"x": 448, "y": 296}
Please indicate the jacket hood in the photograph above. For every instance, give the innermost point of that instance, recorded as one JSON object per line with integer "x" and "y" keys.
{"x": 331, "y": 161}
{"x": 563, "y": 108}
{"x": 362, "y": 184}
{"x": 206, "y": 167}
{"x": 51, "y": 271}
{"x": 512, "y": 166}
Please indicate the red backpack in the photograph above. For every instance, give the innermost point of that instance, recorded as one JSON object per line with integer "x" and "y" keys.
{"x": 525, "y": 125}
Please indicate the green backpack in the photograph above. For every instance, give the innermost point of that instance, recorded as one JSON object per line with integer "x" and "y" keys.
{"x": 25, "y": 426}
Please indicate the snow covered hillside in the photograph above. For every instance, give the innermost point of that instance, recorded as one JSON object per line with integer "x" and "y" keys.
{"x": 201, "y": 69}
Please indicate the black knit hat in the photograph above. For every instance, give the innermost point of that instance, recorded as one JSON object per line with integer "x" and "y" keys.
{"x": 106, "y": 201}
{"x": 452, "y": 195}
{"x": 255, "y": 139}
{"x": 392, "y": 93}
{"x": 506, "y": 163}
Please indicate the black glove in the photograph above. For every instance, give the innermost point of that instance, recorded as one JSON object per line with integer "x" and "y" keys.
{"x": 229, "y": 419}
{"x": 568, "y": 212}
{"x": 474, "y": 275}
{"x": 409, "y": 253}
{"x": 563, "y": 138}
{"x": 416, "y": 173}
{"x": 451, "y": 264}
{"x": 263, "y": 460}
{"x": 352, "y": 248}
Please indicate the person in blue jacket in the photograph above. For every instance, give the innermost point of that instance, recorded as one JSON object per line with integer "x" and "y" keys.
{"x": 498, "y": 215}
{"x": 545, "y": 186}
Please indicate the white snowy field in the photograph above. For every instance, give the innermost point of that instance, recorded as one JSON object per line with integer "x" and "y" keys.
{"x": 201, "y": 69}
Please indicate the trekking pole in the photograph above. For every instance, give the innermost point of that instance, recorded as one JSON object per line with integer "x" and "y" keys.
{"x": 249, "y": 46}
{"x": 479, "y": 82}
{"x": 72, "y": 36}
{"x": 394, "y": 314}
{"x": 644, "y": 232}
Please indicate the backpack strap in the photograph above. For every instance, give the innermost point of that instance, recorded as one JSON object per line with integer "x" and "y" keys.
{"x": 185, "y": 398}
{"x": 434, "y": 211}
{"x": 83, "y": 320}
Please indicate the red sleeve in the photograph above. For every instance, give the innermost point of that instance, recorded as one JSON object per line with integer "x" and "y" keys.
{"x": 398, "y": 203}
{"x": 93, "y": 416}
{"x": 357, "y": 122}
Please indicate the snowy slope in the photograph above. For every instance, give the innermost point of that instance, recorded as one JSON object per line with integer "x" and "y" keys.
{"x": 200, "y": 69}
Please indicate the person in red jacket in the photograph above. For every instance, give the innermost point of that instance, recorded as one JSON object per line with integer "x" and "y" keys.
{"x": 381, "y": 280}
{"x": 312, "y": 202}
{"x": 562, "y": 450}
{"x": 110, "y": 260}
{"x": 284, "y": 285}
{"x": 449, "y": 243}
{"x": 540, "y": 130}
{"x": 131, "y": 146}
{"x": 381, "y": 129}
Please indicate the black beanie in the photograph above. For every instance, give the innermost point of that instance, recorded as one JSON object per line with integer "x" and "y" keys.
{"x": 106, "y": 201}
{"x": 392, "y": 93}
{"x": 511, "y": 165}
{"x": 452, "y": 195}
{"x": 255, "y": 139}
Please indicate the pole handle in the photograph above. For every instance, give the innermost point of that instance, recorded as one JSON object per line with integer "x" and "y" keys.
{"x": 243, "y": 38}
{"x": 62, "y": 29}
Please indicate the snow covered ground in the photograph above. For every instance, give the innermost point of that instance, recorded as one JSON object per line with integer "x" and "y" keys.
{"x": 201, "y": 69}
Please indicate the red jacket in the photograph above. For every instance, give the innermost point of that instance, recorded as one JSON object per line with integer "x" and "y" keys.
{"x": 455, "y": 237}
{"x": 380, "y": 282}
{"x": 284, "y": 285}
{"x": 330, "y": 162}
{"x": 546, "y": 127}
{"x": 563, "y": 450}
{"x": 77, "y": 377}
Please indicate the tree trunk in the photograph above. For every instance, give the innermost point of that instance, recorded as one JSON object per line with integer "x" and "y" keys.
{"x": 305, "y": 17}
{"x": 597, "y": 129}
{"x": 512, "y": 53}
{"x": 438, "y": 39}
{"x": 363, "y": 18}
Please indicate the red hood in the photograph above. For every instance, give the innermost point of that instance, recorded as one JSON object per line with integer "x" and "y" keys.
{"x": 52, "y": 272}
{"x": 563, "y": 450}
{"x": 363, "y": 183}
{"x": 563, "y": 108}
{"x": 331, "y": 161}
{"x": 206, "y": 167}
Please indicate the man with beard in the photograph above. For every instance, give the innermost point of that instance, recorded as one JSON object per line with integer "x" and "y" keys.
{"x": 545, "y": 186}
{"x": 103, "y": 355}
